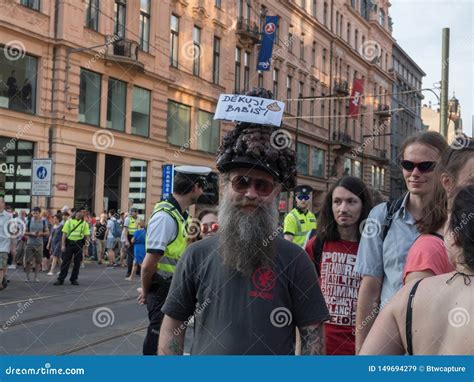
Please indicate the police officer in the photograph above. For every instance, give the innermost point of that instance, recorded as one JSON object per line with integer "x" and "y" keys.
{"x": 165, "y": 243}
{"x": 75, "y": 233}
{"x": 300, "y": 221}
{"x": 130, "y": 226}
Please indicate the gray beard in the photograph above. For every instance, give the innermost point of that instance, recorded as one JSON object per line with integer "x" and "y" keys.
{"x": 245, "y": 238}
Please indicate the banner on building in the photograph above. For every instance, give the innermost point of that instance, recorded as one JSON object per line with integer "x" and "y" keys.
{"x": 268, "y": 37}
{"x": 167, "y": 181}
{"x": 244, "y": 108}
{"x": 356, "y": 98}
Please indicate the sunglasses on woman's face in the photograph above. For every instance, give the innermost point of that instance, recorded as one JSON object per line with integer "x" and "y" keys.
{"x": 242, "y": 183}
{"x": 421, "y": 166}
{"x": 207, "y": 228}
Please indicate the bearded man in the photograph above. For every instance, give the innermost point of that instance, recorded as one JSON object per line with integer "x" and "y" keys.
{"x": 247, "y": 289}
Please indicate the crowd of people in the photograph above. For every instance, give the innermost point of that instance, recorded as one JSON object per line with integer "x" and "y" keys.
{"x": 362, "y": 276}
{"x": 47, "y": 242}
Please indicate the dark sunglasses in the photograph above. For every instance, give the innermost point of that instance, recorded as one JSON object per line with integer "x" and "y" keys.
{"x": 302, "y": 197}
{"x": 242, "y": 183}
{"x": 422, "y": 166}
{"x": 206, "y": 228}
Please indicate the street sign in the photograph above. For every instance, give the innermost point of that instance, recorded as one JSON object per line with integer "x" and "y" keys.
{"x": 41, "y": 176}
{"x": 167, "y": 181}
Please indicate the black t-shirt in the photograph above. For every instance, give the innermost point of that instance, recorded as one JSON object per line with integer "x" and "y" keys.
{"x": 245, "y": 315}
{"x": 100, "y": 230}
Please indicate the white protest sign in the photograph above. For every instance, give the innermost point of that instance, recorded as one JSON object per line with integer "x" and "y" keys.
{"x": 244, "y": 108}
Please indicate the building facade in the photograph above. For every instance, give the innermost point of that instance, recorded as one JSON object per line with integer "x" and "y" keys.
{"x": 407, "y": 120}
{"x": 114, "y": 90}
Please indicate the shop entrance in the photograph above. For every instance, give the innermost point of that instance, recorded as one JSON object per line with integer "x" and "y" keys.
{"x": 84, "y": 190}
{"x": 112, "y": 182}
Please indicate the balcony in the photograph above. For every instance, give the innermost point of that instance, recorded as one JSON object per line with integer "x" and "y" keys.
{"x": 341, "y": 88}
{"x": 341, "y": 142}
{"x": 123, "y": 52}
{"x": 383, "y": 111}
{"x": 247, "y": 31}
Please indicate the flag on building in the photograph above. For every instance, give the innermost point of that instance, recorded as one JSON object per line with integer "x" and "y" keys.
{"x": 356, "y": 98}
{"x": 266, "y": 49}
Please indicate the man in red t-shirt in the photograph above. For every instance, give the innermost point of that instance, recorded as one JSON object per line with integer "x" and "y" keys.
{"x": 334, "y": 250}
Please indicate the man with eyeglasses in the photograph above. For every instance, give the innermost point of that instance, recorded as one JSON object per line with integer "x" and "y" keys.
{"x": 248, "y": 288}
{"x": 165, "y": 243}
{"x": 300, "y": 221}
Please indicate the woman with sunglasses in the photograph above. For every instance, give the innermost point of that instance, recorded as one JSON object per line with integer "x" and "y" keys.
{"x": 209, "y": 226}
{"x": 428, "y": 256}
{"x": 434, "y": 315}
{"x": 382, "y": 254}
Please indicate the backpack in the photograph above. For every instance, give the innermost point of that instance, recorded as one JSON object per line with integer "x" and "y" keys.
{"x": 392, "y": 208}
{"x": 116, "y": 230}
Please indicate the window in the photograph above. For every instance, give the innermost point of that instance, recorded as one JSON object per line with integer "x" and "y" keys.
{"x": 263, "y": 14}
{"x": 302, "y": 159}
{"x": 312, "y": 110}
{"x": 288, "y": 94}
{"x": 15, "y": 180}
{"x": 317, "y": 164}
{"x": 196, "y": 50}
{"x": 347, "y": 166}
{"x": 299, "y": 104}
{"x": 120, "y": 11}
{"x": 356, "y": 39}
{"x": 207, "y": 131}
{"x": 303, "y": 4}
{"x": 323, "y": 111}
{"x": 290, "y": 42}
{"x": 89, "y": 97}
{"x": 372, "y": 173}
{"x": 33, "y": 4}
{"x": 325, "y": 15}
{"x": 174, "y": 40}
{"x": 275, "y": 83}
{"x": 302, "y": 49}
{"x": 144, "y": 25}
{"x": 137, "y": 185}
{"x": 382, "y": 18}
{"x": 313, "y": 53}
{"x": 357, "y": 169}
{"x": 348, "y": 33}
{"x": 238, "y": 59}
{"x": 116, "y": 104}
{"x": 92, "y": 14}
{"x": 18, "y": 72}
{"x": 364, "y": 9}
{"x": 260, "y": 79}
{"x": 324, "y": 60}
{"x": 353, "y": 3}
{"x": 140, "y": 111}
{"x": 218, "y": 3}
{"x": 216, "y": 60}
{"x": 337, "y": 22}
{"x": 179, "y": 120}
{"x": 246, "y": 71}
{"x": 314, "y": 9}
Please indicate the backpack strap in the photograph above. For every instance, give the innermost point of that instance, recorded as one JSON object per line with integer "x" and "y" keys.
{"x": 392, "y": 208}
{"x": 318, "y": 254}
{"x": 409, "y": 318}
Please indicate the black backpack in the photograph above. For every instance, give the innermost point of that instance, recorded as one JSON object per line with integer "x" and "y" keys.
{"x": 392, "y": 208}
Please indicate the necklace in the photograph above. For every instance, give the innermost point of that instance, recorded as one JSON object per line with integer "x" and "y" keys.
{"x": 466, "y": 277}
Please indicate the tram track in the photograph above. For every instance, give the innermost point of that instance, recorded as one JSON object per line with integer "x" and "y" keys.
{"x": 101, "y": 340}
{"x": 58, "y": 314}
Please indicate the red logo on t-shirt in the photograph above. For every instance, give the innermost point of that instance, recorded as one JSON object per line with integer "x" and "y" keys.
{"x": 264, "y": 280}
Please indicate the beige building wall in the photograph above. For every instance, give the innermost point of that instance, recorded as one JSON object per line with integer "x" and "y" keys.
{"x": 56, "y": 35}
